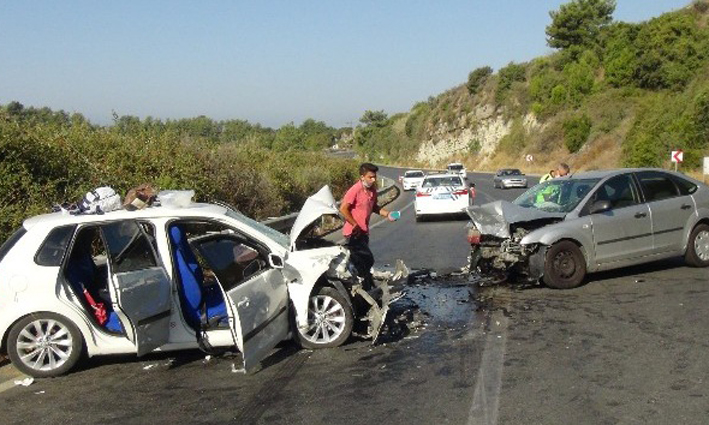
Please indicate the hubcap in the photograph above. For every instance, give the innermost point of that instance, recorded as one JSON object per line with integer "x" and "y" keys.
{"x": 326, "y": 320}
{"x": 44, "y": 344}
{"x": 701, "y": 245}
{"x": 564, "y": 264}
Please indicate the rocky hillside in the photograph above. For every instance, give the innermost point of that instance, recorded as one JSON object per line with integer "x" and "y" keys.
{"x": 613, "y": 94}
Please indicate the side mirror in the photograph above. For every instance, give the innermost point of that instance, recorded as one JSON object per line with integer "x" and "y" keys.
{"x": 600, "y": 206}
{"x": 275, "y": 261}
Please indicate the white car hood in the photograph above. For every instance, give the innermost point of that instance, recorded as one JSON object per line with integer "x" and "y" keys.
{"x": 317, "y": 205}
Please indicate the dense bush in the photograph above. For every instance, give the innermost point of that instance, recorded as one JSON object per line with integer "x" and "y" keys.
{"x": 46, "y": 163}
{"x": 507, "y": 76}
{"x": 576, "y": 132}
{"x": 477, "y": 78}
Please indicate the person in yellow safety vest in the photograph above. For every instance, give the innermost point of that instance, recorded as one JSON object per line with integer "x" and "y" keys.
{"x": 551, "y": 192}
{"x": 561, "y": 171}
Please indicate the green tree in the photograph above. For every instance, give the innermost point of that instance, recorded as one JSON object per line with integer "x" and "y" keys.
{"x": 576, "y": 131}
{"x": 477, "y": 78}
{"x": 374, "y": 118}
{"x": 578, "y": 23}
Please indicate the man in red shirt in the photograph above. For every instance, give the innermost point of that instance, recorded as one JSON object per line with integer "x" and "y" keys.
{"x": 357, "y": 206}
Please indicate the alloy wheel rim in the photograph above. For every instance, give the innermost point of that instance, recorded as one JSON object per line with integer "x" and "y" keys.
{"x": 701, "y": 245}
{"x": 326, "y": 320}
{"x": 44, "y": 344}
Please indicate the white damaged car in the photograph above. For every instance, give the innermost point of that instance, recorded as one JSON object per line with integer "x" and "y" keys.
{"x": 173, "y": 277}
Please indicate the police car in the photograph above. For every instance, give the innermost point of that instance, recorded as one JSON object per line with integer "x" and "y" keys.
{"x": 442, "y": 194}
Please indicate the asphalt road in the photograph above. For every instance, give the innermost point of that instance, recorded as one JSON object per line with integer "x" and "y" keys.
{"x": 627, "y": 347}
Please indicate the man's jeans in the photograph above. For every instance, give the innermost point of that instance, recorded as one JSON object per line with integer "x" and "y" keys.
{"x": 361, "y": 257}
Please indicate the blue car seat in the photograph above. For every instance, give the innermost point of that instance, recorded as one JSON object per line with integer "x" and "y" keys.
{"x": 195, "y": 298}
{"x": 82, "y": 274}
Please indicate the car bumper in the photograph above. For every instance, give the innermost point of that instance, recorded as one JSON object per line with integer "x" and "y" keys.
{"x": 430, "y": 206}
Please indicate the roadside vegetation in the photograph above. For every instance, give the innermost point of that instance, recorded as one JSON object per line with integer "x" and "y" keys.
{"x": 612, "y": 94}
{"x": 50, "y": 157}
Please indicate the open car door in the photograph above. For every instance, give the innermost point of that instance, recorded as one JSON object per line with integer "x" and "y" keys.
{"x": 256, "y": 292}
{"x": 140, "y": 284}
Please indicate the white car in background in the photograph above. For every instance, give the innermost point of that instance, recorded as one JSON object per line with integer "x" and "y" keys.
{"x": 458, "y": 169}
{"x": 442, "y": 194}
{"x": 412, "y": 179}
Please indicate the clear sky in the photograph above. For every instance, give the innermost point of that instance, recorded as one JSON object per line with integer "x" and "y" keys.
{"x": 269, "y": 62}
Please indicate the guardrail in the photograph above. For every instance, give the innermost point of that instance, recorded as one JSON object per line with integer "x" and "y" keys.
{"x": 284, "y": 223}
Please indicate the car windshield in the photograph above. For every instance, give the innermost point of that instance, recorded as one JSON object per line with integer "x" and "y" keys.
{"x": 556, "y": 195}
{"x": 455, "y": 167}
{"x": 442, "y": 181}
{"x": 511, "y": 173}
{"x": 273, "y": 234}
{"x": 413, "y": 174}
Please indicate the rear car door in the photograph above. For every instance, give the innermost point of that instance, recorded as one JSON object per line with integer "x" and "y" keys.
{"x": 670, "y": 210}
{"x": 625, "y": 230}
{"x": 257, "y": 292}
{"x": 140, "y": 284}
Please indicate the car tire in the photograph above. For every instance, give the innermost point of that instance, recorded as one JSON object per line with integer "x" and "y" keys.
{"x": 44, "y": 345}
{"x": 697, "y": 254}
{"x": 565, "y": 266}
{"x": 330, "y": 320}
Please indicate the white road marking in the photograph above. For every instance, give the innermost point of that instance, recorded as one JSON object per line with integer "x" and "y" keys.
{"x": 486, "y": 399}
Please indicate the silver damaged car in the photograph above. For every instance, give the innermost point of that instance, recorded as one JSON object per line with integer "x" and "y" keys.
{"x": 560, "y": 230}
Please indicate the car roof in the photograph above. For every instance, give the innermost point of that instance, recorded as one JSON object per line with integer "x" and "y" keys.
{"x": 412, "y": 171}
{"x": 442, "y": 175}
{"x": 64, "y": 218}
{"x": 599, "y": 174}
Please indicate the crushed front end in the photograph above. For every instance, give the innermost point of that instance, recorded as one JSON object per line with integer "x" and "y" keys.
{"x": 496, "y": 233}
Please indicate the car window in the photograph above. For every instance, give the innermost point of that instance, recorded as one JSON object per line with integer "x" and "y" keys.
{"x": 556, "y": 195}
{"x": 129, "y": 247}
{"x": 457, "y": 167}
{"x": 685, "y": 187}
{"x": 271, "y": 233}
{"x": 619, "y": 191}
{"x": 232, "y": 259}
{"x": 515, "y": 172}
{"x": 11, "y": 241}
{"x": 54, "y": 246}
{"x": 413, "y": 174}
{"x": 657, "y": 186}
{"x": 442, "y": 181}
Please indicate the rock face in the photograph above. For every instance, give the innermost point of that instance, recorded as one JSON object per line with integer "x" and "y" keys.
{"x": 482, "y": 135}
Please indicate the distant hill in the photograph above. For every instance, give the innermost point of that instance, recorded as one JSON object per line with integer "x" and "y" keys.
{"x": 613, "y": 94}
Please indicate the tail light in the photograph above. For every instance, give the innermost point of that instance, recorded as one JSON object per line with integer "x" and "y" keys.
{"x": 473, "y": 236}
{"x": 461, "y": 192}
{"x": 420, "y": 194}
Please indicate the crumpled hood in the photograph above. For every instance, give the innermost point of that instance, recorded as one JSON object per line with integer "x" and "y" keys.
{"x": 494, "y": 218}
{"x": 317, "y": 205}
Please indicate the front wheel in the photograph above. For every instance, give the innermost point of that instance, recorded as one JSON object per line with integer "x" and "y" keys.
{"x": 44, "y": 345}
{"x": 697, "y": 254}
{"x": 330, "y": 320}
{"x": 565, "y": 266}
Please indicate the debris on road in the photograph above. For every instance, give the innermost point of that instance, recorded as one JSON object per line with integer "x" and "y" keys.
{"x": 24, "y": 382}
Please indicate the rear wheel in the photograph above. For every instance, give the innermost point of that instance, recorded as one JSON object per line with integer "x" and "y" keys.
{"x": 697, "y": 254}
{"x": 565, "y": 266}
{"x": 330, "y": 320}
{"x": 44, "y": 345}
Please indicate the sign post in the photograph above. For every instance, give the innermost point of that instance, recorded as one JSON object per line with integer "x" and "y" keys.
{"x": 677, "y": 157}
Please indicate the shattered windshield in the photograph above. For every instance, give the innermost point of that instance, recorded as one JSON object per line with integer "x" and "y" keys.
{"x": 275, "y": 235}
{"x": 557, "y": 195}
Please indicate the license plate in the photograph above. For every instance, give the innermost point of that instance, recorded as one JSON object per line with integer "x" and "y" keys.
{"x": 443, "y": 196}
